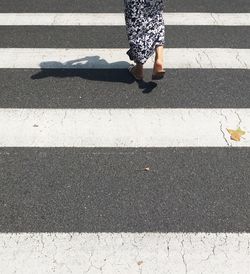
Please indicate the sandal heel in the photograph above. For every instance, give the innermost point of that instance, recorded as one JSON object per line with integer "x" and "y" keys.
{"x": 159, "y": 75}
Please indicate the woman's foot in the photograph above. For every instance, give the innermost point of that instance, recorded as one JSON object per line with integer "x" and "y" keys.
{"x": 158, "y": 66}
{"x": 158, "y": 71}
{"x": 137, "y": 71}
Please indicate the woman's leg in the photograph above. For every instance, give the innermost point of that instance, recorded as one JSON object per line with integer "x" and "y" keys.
{"x": 159, "y": 59}
{"x": 138, "y": 70}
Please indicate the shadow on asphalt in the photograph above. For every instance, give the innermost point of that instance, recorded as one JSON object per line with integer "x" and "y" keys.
{"x": 106, "y": 72}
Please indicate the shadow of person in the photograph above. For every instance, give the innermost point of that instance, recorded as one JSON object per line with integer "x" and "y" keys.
{"x": 92, "y": 68}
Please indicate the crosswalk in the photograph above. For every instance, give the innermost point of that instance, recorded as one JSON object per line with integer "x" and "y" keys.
{"x": 120, "y": 127}
{"x": 117, "y": 19}
{"x": 100, "y": 174}
{"x": 115, "y": 58}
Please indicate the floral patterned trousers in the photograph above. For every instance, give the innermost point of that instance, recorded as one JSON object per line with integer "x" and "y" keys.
{"x": 145, "y": 28}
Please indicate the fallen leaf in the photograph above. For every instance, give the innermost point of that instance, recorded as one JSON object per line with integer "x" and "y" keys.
{"x": 35, "y": 125}
{"x": 236, "y": 134}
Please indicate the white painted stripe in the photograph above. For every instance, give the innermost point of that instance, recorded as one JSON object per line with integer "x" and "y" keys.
{"x": 117, "y": 19}
{"x": 123, "y": 253}
{"x": 87, "y": 58}
{"x": 122, "y": 127}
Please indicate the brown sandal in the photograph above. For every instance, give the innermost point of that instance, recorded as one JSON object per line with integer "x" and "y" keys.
{"x": 159, "y": 75}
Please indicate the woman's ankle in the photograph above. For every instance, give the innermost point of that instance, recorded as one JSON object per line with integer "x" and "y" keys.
{"x": 159, "y": 54}
{"x": 139, "y": 67}
{"x": 158, "y": 62}
{"x": 158, "y": 66}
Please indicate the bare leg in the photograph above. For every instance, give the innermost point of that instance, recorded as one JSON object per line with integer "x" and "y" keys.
{"x": 159, "y": 59}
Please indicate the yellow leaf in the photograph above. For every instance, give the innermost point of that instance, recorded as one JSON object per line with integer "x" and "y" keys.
{"x": 236, "y": 134}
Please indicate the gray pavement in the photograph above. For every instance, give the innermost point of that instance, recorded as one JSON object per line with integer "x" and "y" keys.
{"x": 117, "y": 6}
{"x": 74, "y": 88}
{"x": 107, "y": 190}
{"x": 99, "y": 37}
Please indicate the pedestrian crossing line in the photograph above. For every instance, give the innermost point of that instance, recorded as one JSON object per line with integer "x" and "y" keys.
{"x": 117, "y": 19}
{"x": 99, "y": 58}
{"x": 124, "y": 253}
{"x": 122, "y": 127}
